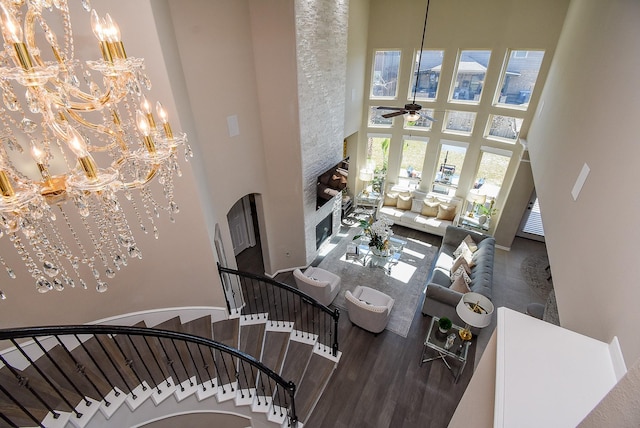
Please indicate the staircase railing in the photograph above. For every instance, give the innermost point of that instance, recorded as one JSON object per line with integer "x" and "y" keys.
{"x": 250, "y": 295}
{"x": 49, "y": 370}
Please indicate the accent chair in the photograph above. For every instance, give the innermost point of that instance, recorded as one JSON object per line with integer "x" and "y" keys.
{"x": 318, "y": 283}
{"x": 368, "y": 308}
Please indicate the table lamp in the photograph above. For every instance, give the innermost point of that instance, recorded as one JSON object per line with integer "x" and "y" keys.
{"x": 366, "y": 175}
{"x": 475, "y": 310}
{"x": 475, "y": 198}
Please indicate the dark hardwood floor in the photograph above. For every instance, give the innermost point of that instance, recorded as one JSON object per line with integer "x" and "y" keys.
{"x": 379, "y": 381}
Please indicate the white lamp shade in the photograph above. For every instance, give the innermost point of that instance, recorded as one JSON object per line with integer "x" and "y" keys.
{"x": 366, "y": 175}
{"x": 481, "y": 316}
{"x": 476, "y": 197}
{"x": 413, "y": 117}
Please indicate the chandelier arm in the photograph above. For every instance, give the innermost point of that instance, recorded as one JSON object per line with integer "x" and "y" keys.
{"x": 102, "y": 129}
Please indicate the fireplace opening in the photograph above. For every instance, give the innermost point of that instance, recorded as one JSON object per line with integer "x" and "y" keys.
{"x": 324, "y": 229}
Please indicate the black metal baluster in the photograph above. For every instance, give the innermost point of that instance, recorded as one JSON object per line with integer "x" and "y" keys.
{"x": 114, "y": 365}
{"x": 41, "y": 373}
{"x": 226, "y": 369}
{"x": 186, "y": 371}
{"x": 206, "y": 368}
{"x": 73, "y": 385}
{"x": 335, "y": 331}
{"x": 293, "y": 417}
{"x": 24, "y": 382}
{"x": 144, "y": 364}
{"x": 81, "y": 369}
{"x": 129, "y": 363}
{"x": 195, "y": 365}
{"x": 20, "y": 406}
{"x": 215, "y": 366}
{"x": 95, "y": 363}
{"x": 155, "y": 358}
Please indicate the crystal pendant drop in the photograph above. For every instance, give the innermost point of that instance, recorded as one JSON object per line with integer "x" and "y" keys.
{"x": 101, "y": 287}
{"x": 32, "y": 102}
{"x": 28, "y": 125}
{"x": 58, "y": 285}
{"x": 134, "y": 252}
{"x": 43, "y": 285}
{"x": 83, "y": 284}
{"x": 49, "y": 268}
{"x": 11, "y": 273}
{"x": 10, "y": 100}
{"x": 86, "y": 5}
{"x": 110, "y": 273}
{"x": 156, "y": 234}
{"x": 95, "y": 272}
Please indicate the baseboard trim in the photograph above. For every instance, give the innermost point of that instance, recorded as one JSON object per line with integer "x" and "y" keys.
{"x": 501, "y": 247}
{"x": 279, "y": 271}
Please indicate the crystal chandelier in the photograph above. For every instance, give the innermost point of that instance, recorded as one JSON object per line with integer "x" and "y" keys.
{"x": 74, "y": 136}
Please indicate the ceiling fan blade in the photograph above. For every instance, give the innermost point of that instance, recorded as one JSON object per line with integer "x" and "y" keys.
{"x": 390, "y": 108}
{"x": 394, "y": 114}
{"x": 428, "y": 117}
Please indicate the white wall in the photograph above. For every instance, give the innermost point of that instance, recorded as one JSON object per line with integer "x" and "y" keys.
{"x": 590, "y": 101}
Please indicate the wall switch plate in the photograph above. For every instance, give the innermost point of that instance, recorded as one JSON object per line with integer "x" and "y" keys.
{"x": 232, "y": 124}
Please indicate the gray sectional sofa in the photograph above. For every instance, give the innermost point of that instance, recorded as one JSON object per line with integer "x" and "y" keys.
{"x": 440, "y": 300}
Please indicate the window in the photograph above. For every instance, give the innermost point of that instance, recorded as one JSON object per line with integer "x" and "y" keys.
{"x": 429, "y": 62}
{"x": 518, "y": 79}
{"x": 377, "y": 158}
{"x": 384, "y": 79}
{"x": 449, "y": 166}
{"x": 376, "y": 120}
{"x": 414, "y": 150}
{"x": 459, "y": 122}
{"x": 503, "y": 128}
{"x": 491, "y": 172}
{"x": 422, "y": 124}
{"x": 469, "y": 76}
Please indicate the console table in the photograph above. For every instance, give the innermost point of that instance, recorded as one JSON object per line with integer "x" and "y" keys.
{"x": 371, "y": 200}
{"x": 436, "y": 341}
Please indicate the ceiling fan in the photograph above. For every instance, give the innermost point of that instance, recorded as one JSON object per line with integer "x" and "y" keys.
{"x": 411, "y": 108}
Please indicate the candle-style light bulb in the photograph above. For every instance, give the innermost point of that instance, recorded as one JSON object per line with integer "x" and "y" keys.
{"x": 164, "y": 118}
{"x": 98, "y": 26}
{"x": 145, "y": 130}
{"x": 11, "y": 29}
{"x": 112, "y": 32}
{"x": 12, "y": 33}
{"x": 40, "y": 156}
{"x": 6, "y": 190}
{"x": 79, "y": 147}
{"x": 145, "y": 105}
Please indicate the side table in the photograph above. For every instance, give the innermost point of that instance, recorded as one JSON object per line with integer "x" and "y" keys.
{"x": 371, "y": 200}
{"x": 436, "y": 342}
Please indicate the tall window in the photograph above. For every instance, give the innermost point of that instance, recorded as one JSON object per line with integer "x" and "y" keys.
{"x": 459, "y": 122}
{"x": 414, "y": 150}
{"x": 376, "y": 120}
{"x": 429, "y": 62}
{"x": 491, "y": 171}
{"x": 377, "y": 158}
{"x": 519, "y": 78}
{"x": 503, "y": 128}
{"x": 450, "y": 161}
{"x": 384, "y": 78}
{"x": 469, "y": 76}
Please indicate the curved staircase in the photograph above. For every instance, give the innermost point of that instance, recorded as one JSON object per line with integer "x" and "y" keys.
{"x": 251, "y": 365}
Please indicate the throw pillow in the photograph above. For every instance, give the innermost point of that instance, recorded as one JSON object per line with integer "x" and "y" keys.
{"x": 471, "y": 243}
{"x": 430, "y": 208}
{"x": 390, "y": 199}
{"x": 461, "y": 261}
{"x": 446, "y": 212}
{"x": 464, "y": 252}
{"x": 460, "y": 272}
{"x": 460, "y": 286}
{"x": 404, "y": 202}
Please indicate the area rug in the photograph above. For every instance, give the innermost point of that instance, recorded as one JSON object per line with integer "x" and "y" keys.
{"x": 404, "y": 284}
{"x": 535, "y": 273}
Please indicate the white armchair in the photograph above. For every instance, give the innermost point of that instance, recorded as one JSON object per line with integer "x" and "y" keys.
{"x": 318, "y": 283}
{"x": 368, "y": 308}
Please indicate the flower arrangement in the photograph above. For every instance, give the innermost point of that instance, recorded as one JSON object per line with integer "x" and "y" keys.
{"x": 378, "y": 232}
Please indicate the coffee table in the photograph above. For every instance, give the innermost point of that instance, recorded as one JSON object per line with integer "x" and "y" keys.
{"x": 436, "y": 341}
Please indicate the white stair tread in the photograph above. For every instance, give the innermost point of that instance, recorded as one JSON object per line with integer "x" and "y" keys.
{"x": 165, "y": 391}
{"x": 87, "y": 412}
{"x": 141, "y": 393}
{"x": 114, "y": 402}
{"x": 207, "y": 389}
{"x": 186, "y": 389}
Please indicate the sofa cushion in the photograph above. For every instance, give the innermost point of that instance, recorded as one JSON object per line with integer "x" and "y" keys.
{"x": 390, "y": 199}
{"x": 404, "y": 202}
{"x": 460, "y": 272}
{"x": 446, "y": 212}
{"x": 470, "y": 243}
{"x": 430, "y": 208}
{"x": 392, "y": 213}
